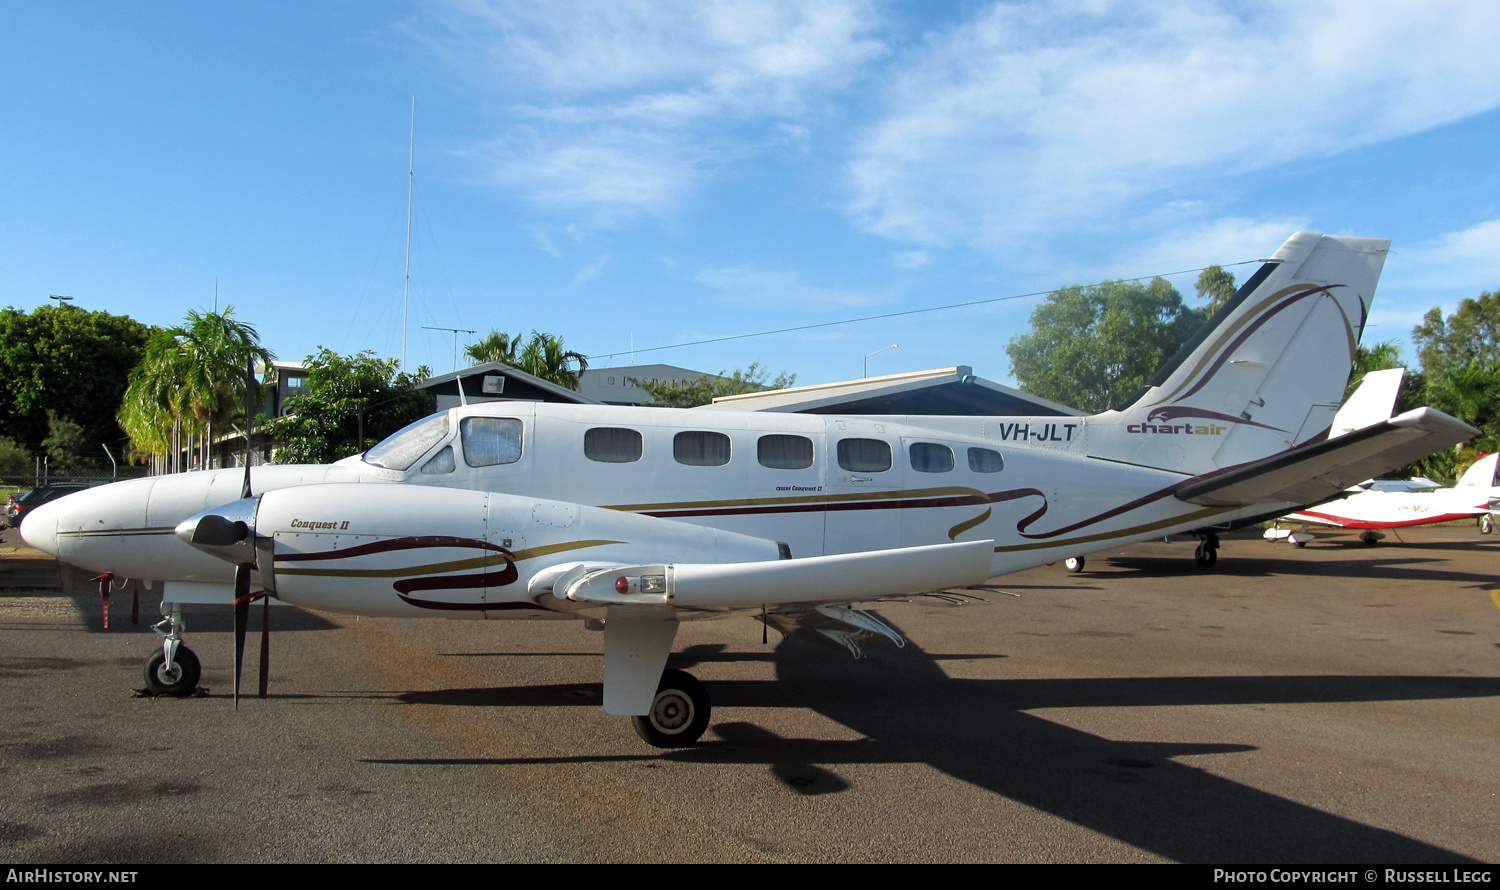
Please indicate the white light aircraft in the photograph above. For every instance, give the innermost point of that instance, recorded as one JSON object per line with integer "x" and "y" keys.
{"x": 634, "y": 519}
{"x": 1471, "y": 498}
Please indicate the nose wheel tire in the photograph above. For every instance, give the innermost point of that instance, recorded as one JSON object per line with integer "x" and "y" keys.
{"x": 1073, "y": 564}
{"x": 179, "y": 678}
{"x": 679, "y": 713}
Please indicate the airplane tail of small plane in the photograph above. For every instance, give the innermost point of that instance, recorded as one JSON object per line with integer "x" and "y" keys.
{"x": 1480, "y": 476}
{"x": 1268, "y": 371}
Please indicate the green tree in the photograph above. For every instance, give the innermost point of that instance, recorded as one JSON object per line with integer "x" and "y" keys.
{"x": 1380, "y": 357}
{"x": 1093, "y": 347}
{"x": 495, "y": 347}
{"x": 191, "y": 383}
{"x": 704, "y": 389}
{"x": 1217, "y": 286}
{"x": 69, "y": 361}
{"x": 545, "y": 357}
{"x": 342, "y": 393}
{"x": 1471, "y": 334}
{"x": 14, "y": 460}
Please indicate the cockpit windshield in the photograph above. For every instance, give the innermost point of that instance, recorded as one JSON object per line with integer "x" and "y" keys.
{"x": 401, "y": 449}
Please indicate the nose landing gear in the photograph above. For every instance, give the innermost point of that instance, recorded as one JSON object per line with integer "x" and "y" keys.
{"x": 175, "y": 669}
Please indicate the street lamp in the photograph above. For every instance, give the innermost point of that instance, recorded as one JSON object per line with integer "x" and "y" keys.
{"x": 877, "y": 352}
{"x": 61, "y": 300}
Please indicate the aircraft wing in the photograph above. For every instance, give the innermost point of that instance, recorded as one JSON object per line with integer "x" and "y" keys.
{"x": 643, "y": 600}
{"x": 843, "y": 577}
{"x": 1319, "y": 471}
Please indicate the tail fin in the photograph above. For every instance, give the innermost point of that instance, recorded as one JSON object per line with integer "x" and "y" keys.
{"x": 1480, "y": 475}
{"x": 1265, "y": 374}
{"x": 1372, "y": 402}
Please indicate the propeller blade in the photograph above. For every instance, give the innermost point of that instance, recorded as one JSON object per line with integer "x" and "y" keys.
{"x": 241, "y": 618}
{"x": 265, "y": 644}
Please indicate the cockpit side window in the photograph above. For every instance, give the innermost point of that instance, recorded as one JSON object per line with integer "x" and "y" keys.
{"x": 401, "y": 449}
{"x": 490, "y": 441}
{"x": 439, "y": 463}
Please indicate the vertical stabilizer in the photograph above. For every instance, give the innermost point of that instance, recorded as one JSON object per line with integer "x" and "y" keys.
{"x": 1480, "y": 476}
{"x": 1265, "y": 374}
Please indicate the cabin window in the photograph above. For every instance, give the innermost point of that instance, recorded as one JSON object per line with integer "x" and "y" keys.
{"x": 930, "y": 457}
{"x": 865, "y": 455}
{"x": 785, "y": 452}
{"x": 439, "y": 463}
{"x": 983, "y": 460}
{"x": 401, "y": 449}
{"x": 612, "y": 445}
{"x": 701, "y": 449}
{"x": 489, "y": 441}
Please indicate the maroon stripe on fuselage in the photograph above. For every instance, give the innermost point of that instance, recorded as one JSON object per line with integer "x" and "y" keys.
{"x": 412, "y": 543}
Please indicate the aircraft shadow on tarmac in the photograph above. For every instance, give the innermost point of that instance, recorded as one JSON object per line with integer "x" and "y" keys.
{"x": 980, "y": 731}
{"x": 1406, "y": 568}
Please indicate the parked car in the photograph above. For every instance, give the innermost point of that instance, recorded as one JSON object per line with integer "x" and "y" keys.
{"x": 39, "y": 496}
{"x": 10, "y": 506}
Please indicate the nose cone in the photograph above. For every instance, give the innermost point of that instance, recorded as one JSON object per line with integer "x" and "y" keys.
{"x": 39, "y": 527}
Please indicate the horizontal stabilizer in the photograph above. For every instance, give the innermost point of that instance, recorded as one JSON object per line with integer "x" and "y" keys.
{"x": 843, "y": 577}
{"x": 1371, "y": 403}
{"x": 1316, "y": 472}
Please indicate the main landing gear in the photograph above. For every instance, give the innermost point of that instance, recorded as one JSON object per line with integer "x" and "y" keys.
{"x": 1208, "y": 551}
{"x": 174, "y": 670}
{"x": 679, "y": 713}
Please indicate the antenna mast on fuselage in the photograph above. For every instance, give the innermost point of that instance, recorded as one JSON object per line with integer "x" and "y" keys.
{"x": 411, "y": 164}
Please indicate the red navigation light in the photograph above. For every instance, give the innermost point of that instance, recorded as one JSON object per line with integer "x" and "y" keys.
{"x": 622, "y": 584}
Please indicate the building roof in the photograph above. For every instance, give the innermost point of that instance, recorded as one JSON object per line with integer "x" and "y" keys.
{"x": 479, "y": 383}
{"x": 614, "y": 386}
{"x": 942, "y": 391}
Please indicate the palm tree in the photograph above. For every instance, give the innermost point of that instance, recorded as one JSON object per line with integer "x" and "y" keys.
{"x": 545, "y": 357}
{"x": 191, "y": 383}
{"x": 1380, "y": 357}
{"x": 495, "y": 347}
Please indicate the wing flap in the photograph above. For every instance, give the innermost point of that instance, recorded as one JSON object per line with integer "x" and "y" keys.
{"x": 1313, "y": 473}
{"x": 843, "y": 577}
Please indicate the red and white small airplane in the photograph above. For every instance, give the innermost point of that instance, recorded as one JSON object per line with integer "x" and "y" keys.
{"x": 631, "y": 520}
{"x": 1473, "y": 497}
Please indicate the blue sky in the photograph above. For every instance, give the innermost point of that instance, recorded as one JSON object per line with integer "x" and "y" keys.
{"x": 657, "y": 173}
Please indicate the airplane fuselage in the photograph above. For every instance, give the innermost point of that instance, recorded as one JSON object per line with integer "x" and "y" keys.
{"x": 537, "y": 474}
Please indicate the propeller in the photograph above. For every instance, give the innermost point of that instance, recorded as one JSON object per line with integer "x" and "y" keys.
{"x": 241, "y": 531}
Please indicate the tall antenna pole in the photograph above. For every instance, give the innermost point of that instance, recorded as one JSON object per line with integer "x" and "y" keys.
{"x": 411, "y": 165}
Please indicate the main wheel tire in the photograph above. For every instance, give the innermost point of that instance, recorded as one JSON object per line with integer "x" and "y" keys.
{"x": 1369, "y": 539}
{"x": 1073, "y": 564}
{"x": 1486, "y": 525}
{"x": 179, "y": 678}
{"x": 1206, "y": 556}
{"x": 679, "y": 713}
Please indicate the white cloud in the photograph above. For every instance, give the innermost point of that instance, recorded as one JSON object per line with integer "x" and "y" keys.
{"x": 1040, "y": 117}
{"x": 1468, "y": 259}
{"x": 746, "y": 284}
{"x": 910, "y": 259}
{"x": 1223, "y": 241}
{"x": 621, "y": 108}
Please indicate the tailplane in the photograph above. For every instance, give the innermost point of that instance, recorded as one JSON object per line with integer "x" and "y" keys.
{"x": 1266, "y": 374}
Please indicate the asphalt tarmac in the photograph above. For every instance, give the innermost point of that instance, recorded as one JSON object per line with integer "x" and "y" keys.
{"x": 1334, "y": 704}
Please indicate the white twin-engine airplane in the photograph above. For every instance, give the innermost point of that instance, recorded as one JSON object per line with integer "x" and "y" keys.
{"x": 634, "y": 519}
